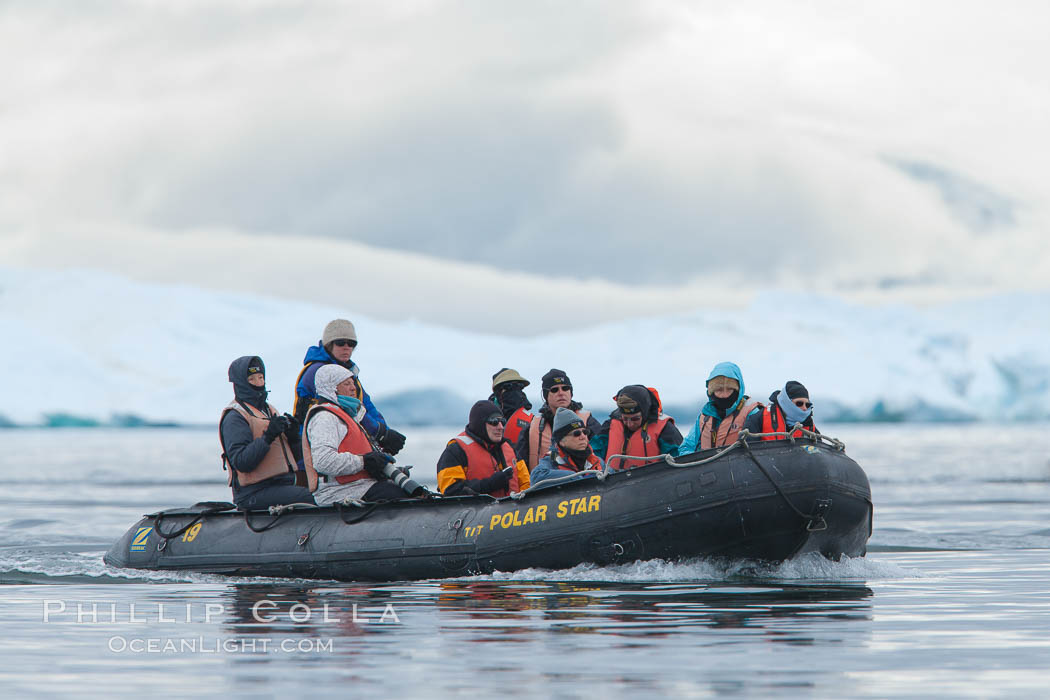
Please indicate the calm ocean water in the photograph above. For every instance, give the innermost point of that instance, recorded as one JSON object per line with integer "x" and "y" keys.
{"x": 953, "y": 598}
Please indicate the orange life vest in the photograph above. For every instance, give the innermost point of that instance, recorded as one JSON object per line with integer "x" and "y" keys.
{"x": 540, "y": 438}
{"x": 643, "y": 443}
{"x": 561, "y": 462}
{"x": 278, "y": 459}
{"x": 481, "y": 464}
{"x": 516, "y": 423}
{"x": 728, "y": 429}
{"x": 773, "y": 421}
{"x": 356, "y": 442}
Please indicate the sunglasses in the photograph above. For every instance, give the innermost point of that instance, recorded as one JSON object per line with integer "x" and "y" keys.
{"x": 343, "y": 342}
{"x": 496, "y": 421}
{"x": 559, "y": 389}
{"x": 802, "y": 403}
{"x": 578, "y": 432}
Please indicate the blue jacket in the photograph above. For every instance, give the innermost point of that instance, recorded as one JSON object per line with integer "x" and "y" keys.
{"x": 317, "y": 357}
{"x": 722, "y": 369}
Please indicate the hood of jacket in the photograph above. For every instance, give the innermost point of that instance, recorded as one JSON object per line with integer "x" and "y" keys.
{"x": 317, "y": 353}
{"x": 642, "y": 397}
{"x": 792, "y": 413}
{"x": 328, "y": 378}
{"x": 242, "y": 390}
{"x": 725, "y": 369}
{"x": 479, "y": 413}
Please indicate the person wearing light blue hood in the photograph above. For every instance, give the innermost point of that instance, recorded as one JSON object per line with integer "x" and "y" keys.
{"x": 786, "y": 408}
{"x": 724, "y": 414}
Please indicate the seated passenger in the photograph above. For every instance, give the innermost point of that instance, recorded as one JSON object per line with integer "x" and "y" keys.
{"x": 508, "y": 392}
{"x": 570, "y": 453}
{"x": 786, "y": 408}
{"x": 638, "y": 428}
{"x": 336, "y": 346}
{"x": 723, "y": 416}
{"x": 259, "y": 446}
{"x": 338, "y": 447}
{"x": 535, "y": 440}
{"x": 480, "y": 459}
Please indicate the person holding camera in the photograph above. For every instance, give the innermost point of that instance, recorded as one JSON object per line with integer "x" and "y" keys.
{"x": 260, "y": 447}
{"x": 480, "y": 460}
{"x": 345, "y": 456}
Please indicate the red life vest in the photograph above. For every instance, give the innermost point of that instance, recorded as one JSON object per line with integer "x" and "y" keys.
{"x": 516, "y": 423}
{"x": 481, "y": 464}
{"x": 728, "y": 429}
{"x": 540, "y": 439}
{"x": 773, "y": 421}
{"x": 356, "y": 442}
{"x": 561, "y": 462}
{"x": 643, "y": 443}
{"x": 278, "y": 459}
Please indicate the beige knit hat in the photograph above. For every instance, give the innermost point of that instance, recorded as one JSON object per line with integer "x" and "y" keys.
{"x": 339, "y": 329}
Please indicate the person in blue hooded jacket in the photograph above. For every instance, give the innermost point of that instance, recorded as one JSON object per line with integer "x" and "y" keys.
{"x": 724, "y": 414}
{"x": 335, "y": 347}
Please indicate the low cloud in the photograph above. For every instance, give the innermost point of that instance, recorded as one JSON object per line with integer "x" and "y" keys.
{"x": 635, "y": 145}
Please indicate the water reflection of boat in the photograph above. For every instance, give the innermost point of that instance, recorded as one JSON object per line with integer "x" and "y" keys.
{"x": 770, "y": 501}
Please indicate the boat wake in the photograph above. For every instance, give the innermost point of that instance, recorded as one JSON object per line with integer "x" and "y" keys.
{"x": 807, "y": 568}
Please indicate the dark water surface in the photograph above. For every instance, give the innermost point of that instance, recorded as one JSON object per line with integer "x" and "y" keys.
{"x": 953, "y": 598}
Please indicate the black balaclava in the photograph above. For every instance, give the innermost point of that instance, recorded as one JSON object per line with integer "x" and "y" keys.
{"x": 510, "y": 397}
{"x": 479, "y": 413}
{"x": 723, "y": 405}
{"x": 242, "y": 390}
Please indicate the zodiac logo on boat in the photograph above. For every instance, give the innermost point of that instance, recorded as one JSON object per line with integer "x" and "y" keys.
{"x": 138, "y": 542}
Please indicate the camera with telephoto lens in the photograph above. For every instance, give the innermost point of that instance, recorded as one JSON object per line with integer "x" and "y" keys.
{"x": 401, "y": 478}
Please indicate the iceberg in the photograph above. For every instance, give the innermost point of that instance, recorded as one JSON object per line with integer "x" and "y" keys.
{"x": 84, "y": 347}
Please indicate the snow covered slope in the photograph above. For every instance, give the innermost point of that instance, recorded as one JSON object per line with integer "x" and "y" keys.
{"x": 86, "y": 345}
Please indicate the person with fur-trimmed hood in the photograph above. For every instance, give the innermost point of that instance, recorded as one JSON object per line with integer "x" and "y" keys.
{"x": 535, "y": 439}
{"x": 335, "y": 347}
{"x": 345, "y": 457}
{"x": 723, "y": 416}
{"x": 637, "y": 427}
{"x": 786, "y": 408}
{"x": 480, "y": 459}
{"x": 260, "y": 446}
{"x": 570, "y": 451}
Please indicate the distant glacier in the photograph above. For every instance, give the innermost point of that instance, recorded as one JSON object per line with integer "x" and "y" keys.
{"x": 90, "y": 348}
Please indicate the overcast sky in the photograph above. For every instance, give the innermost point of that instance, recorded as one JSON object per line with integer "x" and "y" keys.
{"x": 450, "y": 161}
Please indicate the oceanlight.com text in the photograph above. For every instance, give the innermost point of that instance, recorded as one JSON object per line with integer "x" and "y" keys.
{"x": 200, "y": 645}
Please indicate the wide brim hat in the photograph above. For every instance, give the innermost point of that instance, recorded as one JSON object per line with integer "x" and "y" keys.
{"x": 508, "y": 375}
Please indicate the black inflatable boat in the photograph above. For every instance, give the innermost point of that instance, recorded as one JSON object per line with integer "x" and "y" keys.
{"x": 766, "y": 501}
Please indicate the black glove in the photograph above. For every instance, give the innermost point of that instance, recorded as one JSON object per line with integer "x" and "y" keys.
{"x": 499, "y": 480}
{"x": 292, "y": 431}
{"x": 278, "y": 424}
{"x": 375, "y": 463}
{"x": 392, "y": 441}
